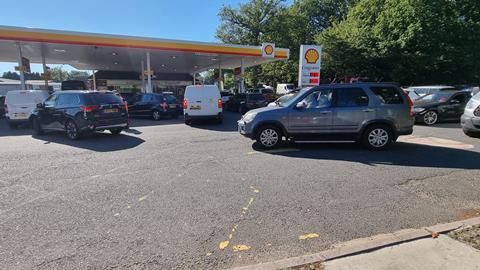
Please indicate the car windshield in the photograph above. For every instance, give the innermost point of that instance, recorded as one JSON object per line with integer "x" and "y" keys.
{"x": 437, "y": 97}
{"x": 284, "y": 99}
{"x": 293, "y": 97}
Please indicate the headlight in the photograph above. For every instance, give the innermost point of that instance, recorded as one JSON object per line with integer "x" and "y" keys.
{"x": 418, "y": 110}
{"x": 249, "y": 117}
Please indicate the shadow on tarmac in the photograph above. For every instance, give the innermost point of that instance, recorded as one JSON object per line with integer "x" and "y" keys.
{"x": 400, "y": 154}
{"x": 98, "y": 142}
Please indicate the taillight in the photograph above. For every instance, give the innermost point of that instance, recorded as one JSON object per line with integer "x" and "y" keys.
{"x": 219, "y": 103}
{"x": 5, "y": 108}
{"x": 410, "y": 104}
{"x": 88, "y": 108}
{"x": 185, "y": 103}
{"x": 477, "y": 111}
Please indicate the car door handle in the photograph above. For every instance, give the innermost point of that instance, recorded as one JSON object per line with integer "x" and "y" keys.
{"x": 326, "y": 112}
{"x": 369, "y": 110}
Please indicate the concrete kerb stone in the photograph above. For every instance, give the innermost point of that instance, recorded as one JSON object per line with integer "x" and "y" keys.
{"x": 362, "y": 245}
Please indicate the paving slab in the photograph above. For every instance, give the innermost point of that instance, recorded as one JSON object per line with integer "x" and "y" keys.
{"x": 424, "y": 254}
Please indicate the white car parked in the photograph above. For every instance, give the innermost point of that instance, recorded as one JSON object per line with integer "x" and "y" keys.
{"x": 202, "y": 102}
{"x": 19, "y": 105}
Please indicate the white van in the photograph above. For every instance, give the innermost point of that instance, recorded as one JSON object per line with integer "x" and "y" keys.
{"x": 19, "y": 105}
{"x": 202, "y": 102}
{"x": 285, "y": 88}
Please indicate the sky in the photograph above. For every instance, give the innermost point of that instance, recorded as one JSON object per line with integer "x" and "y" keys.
{"x": 195, "y": 20}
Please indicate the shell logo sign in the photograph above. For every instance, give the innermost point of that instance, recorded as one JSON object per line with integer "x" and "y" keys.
{"x": 309, "y": 66}
{"x": 312, "y": 56}
{"x": 268, "y": 50}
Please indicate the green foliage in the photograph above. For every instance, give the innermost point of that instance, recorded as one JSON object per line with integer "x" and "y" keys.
{"x": 411, "y": 42}
{"x": 11, "y": 75}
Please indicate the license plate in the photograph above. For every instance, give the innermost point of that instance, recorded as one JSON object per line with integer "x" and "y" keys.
{"x": 172, "y": 106}
{"x": 111, "y": 110}
{"x": 195, "y": 107}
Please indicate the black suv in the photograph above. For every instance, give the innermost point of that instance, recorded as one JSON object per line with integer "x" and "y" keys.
{"x": 79, "y": 112}
{"x": 156, "y": 106}
{"x": 244, "y": 102}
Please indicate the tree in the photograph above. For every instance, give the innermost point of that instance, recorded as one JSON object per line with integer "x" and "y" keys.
{"x": 59, "y": 75}
{"x": 412, "y": 42}
{"x": 260, "y": 21}
{"x": 11, "y": 75}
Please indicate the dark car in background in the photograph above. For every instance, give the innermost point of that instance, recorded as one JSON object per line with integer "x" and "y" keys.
{"x": 156, "y": 106}
{"x": 2, "y": 106}
{"x": 73, "y": 85}
{"x": 441, "y": 106}
{"x": 130, "y": 98}
{"x": 80, "y": 112}
{"x": 244, "y": 102}
{"x": 267, "y": 93}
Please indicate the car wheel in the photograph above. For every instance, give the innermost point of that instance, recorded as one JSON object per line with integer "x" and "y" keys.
{"x": 472, "y": 134}
{"x": 430, "y": 118}
{"x": 37, "y": 128}
{"x": 269, "y": 137}
{"x": 156, "y": 115}
{"x": 72, "y": 130}
{"x": 377, "y": 137}
{"x": 115, "y": 131}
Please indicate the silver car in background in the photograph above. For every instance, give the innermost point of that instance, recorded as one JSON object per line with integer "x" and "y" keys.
{"x": 372, "y": 113}
{"x": 471, "y": 117}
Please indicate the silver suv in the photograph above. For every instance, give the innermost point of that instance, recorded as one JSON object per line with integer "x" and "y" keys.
{"x": 372, "y": 113}
{"x": 471, "y": 117}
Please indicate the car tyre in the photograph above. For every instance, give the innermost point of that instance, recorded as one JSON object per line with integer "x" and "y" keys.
{"x": 472, "y": 134}
{"x": 37, "y": 128}
{"x": 268, "y": 137}
{"x": 115, "y": 131}
{"x": 156, "y": 115}
{"x": 377, "y": 137}
{"x": 72, "y": 131}
{"x": 430, "y": 118}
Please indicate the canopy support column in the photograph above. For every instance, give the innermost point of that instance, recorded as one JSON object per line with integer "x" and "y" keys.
{"x": 220, "y": 77}
{"x": 241, "y": 88}
{"x": 142, "y": 75}
{"x": 194, "y": 78}
{"x": 149, "y": 78}
{"x": 20, "y": 65}
{"x": 94, "y": 80}
{"x": 45, "y": 69}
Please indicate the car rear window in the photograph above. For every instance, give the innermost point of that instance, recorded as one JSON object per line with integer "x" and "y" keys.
{"x": 103, "y": 98}
{"x": 267, "y": 91}
{"x": 388, "y": 94}
{"x": 170, "y": 99}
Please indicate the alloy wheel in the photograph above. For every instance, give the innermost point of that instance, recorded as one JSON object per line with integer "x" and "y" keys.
{"x": 378, "y": 137}
{"x": 71, "y": 129}
{"x": 430, "y": 118}
{"x": 156, "y": 115}
{"x": 269, "y": 137}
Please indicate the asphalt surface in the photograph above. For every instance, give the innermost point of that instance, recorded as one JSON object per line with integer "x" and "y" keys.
{"x": 169, "y": 196}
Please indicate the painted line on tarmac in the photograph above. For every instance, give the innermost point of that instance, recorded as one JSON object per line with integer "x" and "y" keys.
{"x": 224, "y": 244}
{"x": 435, "y": 141}
{"x": 281, "y": 150}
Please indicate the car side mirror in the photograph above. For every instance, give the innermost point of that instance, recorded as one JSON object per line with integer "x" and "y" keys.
{"x": 301, "y": 105}
{"x": 40, "y": 106}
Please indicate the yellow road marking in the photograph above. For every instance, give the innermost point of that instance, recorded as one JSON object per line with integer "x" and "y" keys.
{"x": 241, "y": 248}
{"x": 256, "y": 190}
{"x": 116, "y": 214}
{"x": 142, "y": 198}
{"x": 308, "y": 236}
{"x": 223, "y": 244}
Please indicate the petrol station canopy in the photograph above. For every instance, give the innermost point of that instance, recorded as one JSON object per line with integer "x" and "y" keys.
{"x": 89, "y": 51}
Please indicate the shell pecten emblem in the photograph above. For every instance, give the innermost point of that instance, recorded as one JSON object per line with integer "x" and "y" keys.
{"x": 268, "y": 49}
{"x": 312, "y": 55}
